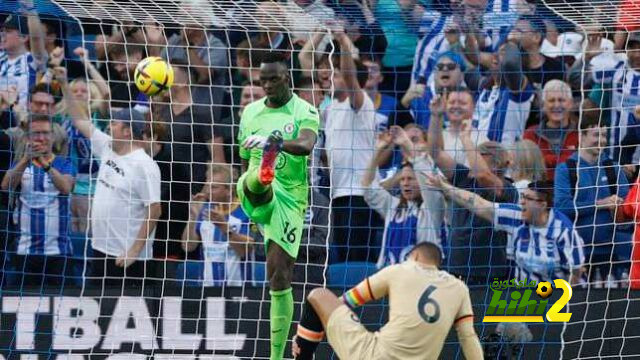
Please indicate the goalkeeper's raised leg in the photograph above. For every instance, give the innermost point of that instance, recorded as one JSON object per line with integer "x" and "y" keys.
{"x": 277, "y": 133}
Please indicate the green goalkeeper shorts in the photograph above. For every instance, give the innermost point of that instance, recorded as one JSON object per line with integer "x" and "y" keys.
{"x": 282, "y": 218}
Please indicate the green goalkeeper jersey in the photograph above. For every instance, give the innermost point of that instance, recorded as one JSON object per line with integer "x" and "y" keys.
{"x": 289, "y": 119}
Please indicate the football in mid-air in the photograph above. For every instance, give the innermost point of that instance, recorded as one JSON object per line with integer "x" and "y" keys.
{"x": 544, "y": 289}
{"x": 153, "y": 75}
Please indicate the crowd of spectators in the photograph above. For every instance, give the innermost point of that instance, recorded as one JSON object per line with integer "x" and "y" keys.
{"x": 491, "y": 128}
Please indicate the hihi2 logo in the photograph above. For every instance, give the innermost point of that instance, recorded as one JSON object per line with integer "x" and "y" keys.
{"x": 519, "y": 306}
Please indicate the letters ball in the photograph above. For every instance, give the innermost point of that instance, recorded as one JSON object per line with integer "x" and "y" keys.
{"x": 153, "y": 75}
{"x": 544, "y": 289}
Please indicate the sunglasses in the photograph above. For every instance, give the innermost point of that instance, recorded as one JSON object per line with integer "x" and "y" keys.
{"x": 446, "y": 66}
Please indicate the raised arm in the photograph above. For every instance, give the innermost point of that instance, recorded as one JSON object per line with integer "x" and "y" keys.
{"x": 382, "y": 145}
{"x": 81, "y": 120}
{"x": 436, "y": 142}
{"x": 478, "y": 167}
{"x": 473, "y": 202}
{"x": 511, "y": 68}
{"x": 307, "y": 55}
{"x": 94, "y": 74}
{"x": 36, "y": 37}
{"x": 348, "y": 69}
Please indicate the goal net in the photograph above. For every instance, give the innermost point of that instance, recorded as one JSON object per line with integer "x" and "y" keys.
{"x": 531, "y": 106}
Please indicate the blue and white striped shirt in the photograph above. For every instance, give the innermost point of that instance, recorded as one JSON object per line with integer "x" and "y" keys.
{"x": 625, "y": 96}
{"x": 222, "y": 265}
{"x": 43, "y": 214}
{"x": 20, "y": 72}
{"x": 497, "y": 22}
{"x": 541, "y": 253}
{"x": 501, "y": 114}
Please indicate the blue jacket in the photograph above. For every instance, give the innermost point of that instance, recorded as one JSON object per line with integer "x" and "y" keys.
{"x": 594, "y": 226}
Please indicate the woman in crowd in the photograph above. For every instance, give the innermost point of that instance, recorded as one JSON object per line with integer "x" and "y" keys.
{"x": 527, "y": 165}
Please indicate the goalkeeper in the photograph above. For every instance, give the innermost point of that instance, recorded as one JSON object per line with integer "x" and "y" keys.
{"x": 277, "y": 133}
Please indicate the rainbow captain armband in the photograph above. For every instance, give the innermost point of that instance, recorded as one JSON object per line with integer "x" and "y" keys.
{"x": 359, "y": 295}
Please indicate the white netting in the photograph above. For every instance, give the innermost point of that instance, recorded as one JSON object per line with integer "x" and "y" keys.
{"x": 204, "y": 290}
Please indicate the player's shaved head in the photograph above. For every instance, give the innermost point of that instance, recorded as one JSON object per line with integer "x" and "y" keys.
{"x": 426, "y": 253}
{"x": 274, "y": 78}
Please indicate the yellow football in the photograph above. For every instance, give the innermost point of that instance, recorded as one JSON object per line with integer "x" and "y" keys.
{"x": 153, "y": 75}
{"x": 544, "y": 289}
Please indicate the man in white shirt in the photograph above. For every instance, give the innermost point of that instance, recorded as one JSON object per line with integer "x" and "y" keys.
{"x": 350, "y": 140}
{"x": 126, "y": 204}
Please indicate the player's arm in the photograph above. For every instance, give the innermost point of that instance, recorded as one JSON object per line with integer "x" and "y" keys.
{"x": 370, "y": 289}
{"x": 473, "y": 202}
{"x": 464, "y": 327}
{"x": 302, "y": 145}
{"x": 469, "y": 339}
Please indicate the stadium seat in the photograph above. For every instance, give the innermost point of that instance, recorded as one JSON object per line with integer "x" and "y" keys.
{"x": 349, "y": 274}
{"x": 190, "y": 272}
{"x": 260, "y": 273}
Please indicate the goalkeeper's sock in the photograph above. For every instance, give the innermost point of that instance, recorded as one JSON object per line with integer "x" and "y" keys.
{"x": 310, "y": 333}
{"x": 253, "y": 182}
{"x": 281, "y": 314}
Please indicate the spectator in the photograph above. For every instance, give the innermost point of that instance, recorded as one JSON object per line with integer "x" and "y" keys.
{"x": 191, "y": 144}
{"x": 41, "y": 102}
{"x": 386, "y": 106}
{"x": 306, "y": 15}
{"x": 126, "y": 204}
{"x": 457, "y": 107}
{"x": 96, "y": 95}
{"x": 398, "y": 21}
{"x": 625, "y": 83}
{"x": 594, "y": 51}
{"x": 363, "y": 29}
{"x": 477, "y": 250}
{"x": 207, "y": 57}
{"x": 470, "y": 28}
{"x": 416, "y": 215}
{"x": 43, "y": 182}
{"x": 505, "y": 101}
{"x": 558, "y": 251}
{"x": 391, "y": 159}
{"x": 529, "y": 33}
{"x": 250, "y": 93}
{"x": 589, "y": 187}
{"x": 7, "y": 100}
{"x": 448, "y": 76}
{"x": 309, "y": 91}
{"x": 310, "y": 265}
{"x": 350, "y": 137}
{"x": 556, "y": 135}
{"x": 220, "y": 228}
{"x": 122, "y": 62}
{"x": 527, "y": 166}
{"x": 20, "y": 65}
